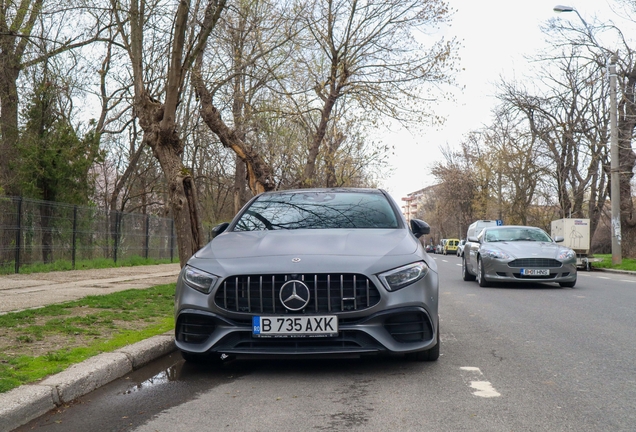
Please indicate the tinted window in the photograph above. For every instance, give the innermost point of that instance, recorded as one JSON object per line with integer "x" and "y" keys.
{"x": 516, "y": 234}
{"x": 318, "y": 210}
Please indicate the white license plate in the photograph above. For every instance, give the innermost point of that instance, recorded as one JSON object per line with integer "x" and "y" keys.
{"x": 286, "y": 326}
{"x": 535, "y": 272}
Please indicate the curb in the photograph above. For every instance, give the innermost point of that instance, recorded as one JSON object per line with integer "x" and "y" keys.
{"x": 28, "y": 402}
{"x": 606, "y": 270}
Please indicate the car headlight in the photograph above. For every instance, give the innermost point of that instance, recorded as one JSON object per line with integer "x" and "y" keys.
{"x": 566, "y": 255}
{"x": 398, "y": 278}
{"x": 199, "y": 280}
{"x": 495, "y": 253}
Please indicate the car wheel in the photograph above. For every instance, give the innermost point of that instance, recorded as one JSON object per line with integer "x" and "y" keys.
{"x": 428, "y": 355}
{"x": 567, "y": 284}
{"x": 481, "y": 276}
{"x": 465, "y": 274}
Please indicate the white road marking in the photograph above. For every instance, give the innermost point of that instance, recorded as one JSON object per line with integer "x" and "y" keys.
{"x": 475, "y": 378}
{"x": 628, "y": 280}
{"x": 603, "y": 277}
{"x": 484, "y": 389}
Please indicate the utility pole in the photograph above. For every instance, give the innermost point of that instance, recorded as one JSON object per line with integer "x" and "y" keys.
{"x": 615, "y": 197}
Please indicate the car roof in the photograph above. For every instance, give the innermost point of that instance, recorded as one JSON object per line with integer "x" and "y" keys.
{"x": 325, "y": 190}
{"x": 511, "y": 226}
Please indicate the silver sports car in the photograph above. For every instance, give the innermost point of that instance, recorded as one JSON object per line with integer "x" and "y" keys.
{"x": 314, "y": 272}
{"x": 518, "y": 254}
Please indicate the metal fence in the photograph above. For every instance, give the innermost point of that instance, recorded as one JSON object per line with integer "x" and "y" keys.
{"x": 35, "y": 231}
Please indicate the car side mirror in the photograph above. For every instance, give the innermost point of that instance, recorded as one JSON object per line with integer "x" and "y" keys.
{"x": 473, "y": 239}
{"x": 219, "y": 229}
{"x": 419, "y": 228}
{"x": 559, "y": 239}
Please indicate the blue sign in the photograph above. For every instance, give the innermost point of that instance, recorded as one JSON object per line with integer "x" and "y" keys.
{"x": 499, "y": 222}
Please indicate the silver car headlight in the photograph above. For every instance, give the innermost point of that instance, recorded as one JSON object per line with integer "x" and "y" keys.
{"x": 495, "y": 253}
{"x": 199, "y": 280}
{"x": 566, "y": 255}
{"x": 400, "y": 277}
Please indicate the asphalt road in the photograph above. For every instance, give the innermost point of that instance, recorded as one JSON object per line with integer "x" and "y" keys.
{"x": 514, "y": 358}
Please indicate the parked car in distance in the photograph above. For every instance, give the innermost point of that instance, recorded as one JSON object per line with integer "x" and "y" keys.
{"x": 460, "y": 247}
{"x": 311, "y": 273}
{"x": 475, "y": 228}
{"x": 450, "y": 247}
{"x": 430, "y": 248}
{"x": 439, "y": 249}
{"x": 518, "y": 254}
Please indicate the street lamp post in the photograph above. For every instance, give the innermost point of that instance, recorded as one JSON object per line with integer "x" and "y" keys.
{"x": 615, "y": 194}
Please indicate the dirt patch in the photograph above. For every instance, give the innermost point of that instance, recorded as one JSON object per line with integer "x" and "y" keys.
{"x": 82, "y": 326}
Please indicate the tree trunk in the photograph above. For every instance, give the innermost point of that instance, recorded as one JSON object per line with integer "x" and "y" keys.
{"x": 181, "y": 192}
{"x": 240, "y": 184}
{"x": 8, "y": 126}
{"x": 46, "y": 212}
{"x": 259, "y": 175}
{"x": 330, "y": 158}
{"x": 119, "y": 185}
{"x": 627, "y": 162}
{"x": 314, "y": 148}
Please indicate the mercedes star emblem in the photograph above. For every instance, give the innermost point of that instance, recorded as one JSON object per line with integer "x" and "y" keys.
{"x": 294, "y": 295}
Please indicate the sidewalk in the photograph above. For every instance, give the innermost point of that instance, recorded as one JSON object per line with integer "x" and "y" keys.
{"x": 19, "y": 292}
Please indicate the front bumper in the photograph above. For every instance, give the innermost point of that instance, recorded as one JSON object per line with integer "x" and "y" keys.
{"x": 395, "y": 331}
{"x": 500, "y": 271}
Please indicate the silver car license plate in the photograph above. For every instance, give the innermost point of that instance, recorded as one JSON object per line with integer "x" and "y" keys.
{"x": 535, "y": 272}
{"x": 295, "y": 326}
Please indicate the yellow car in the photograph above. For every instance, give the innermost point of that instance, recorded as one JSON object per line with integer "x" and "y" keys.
{"x": 451, "y": 246}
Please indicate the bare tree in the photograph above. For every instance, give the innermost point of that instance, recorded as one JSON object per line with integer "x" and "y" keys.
{"x": 516, "y": 154}
{"x": 586, "y": 38}
{"x": 190, "y": 31}
{"x": 455, "y": 192}
{"x": 251, "y": 47}
{"x": 367, "y": 54}
{"x": 569, "y": 119}
{"x": 346, "y": 61}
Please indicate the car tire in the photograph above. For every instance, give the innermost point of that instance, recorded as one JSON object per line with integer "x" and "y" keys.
{"x": 567, "y": 284}
{"x": 481, "y": 274}
{"x": 430, "y": 354}
{"x": 468, "y": 277}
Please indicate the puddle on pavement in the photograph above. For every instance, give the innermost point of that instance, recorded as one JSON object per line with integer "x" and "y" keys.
{"x": 163, "y": 377}
{"x": 133, "y": 399}
{"x": 172, "y": 370}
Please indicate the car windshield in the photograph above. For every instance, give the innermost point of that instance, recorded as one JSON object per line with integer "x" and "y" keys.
{"x": 318, "y": 210}
{"x": 516, "y": 234}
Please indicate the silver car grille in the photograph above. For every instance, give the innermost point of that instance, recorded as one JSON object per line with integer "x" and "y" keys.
{"x": 535, "y": 263}
{"x": 329, "y": 293}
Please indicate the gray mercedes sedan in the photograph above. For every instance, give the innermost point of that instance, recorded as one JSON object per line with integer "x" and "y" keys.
{"x": 311, "y": 273}
{"x": 518, "y": 254}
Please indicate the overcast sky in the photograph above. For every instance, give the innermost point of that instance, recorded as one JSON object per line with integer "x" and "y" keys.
{"x": 495, "y": 34}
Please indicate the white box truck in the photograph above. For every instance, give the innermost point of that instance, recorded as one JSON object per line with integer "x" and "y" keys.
{"x": 576, "y": 235}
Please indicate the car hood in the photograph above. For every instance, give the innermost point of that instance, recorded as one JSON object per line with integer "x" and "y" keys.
{"x": 528, "y": 249}
{"x": 335, "y": 242}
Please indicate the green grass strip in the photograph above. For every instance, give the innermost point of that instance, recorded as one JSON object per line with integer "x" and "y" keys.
{"x": 98, "y": 263}
{"x": 148, "y": 310}
{"x": 627, "y": 263}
